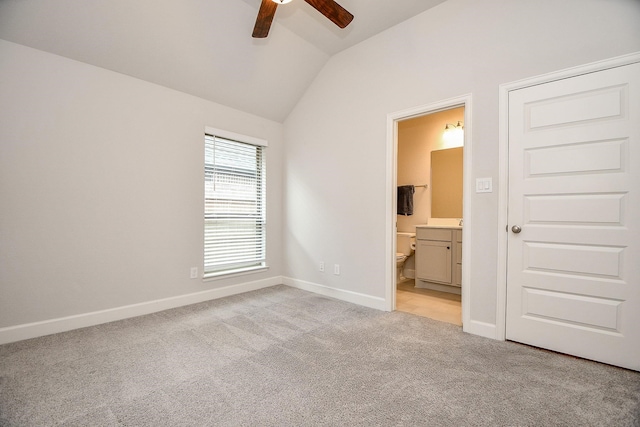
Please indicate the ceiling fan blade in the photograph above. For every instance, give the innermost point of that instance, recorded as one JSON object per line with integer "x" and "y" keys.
{"x": 263, "y": 21}
{"x": 332, "y": 10}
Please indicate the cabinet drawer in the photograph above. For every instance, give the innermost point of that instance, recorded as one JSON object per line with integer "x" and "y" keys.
{"x": 441, "y": 234}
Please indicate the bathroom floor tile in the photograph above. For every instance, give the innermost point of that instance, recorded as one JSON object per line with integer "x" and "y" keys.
{"x": 436, "y": 305}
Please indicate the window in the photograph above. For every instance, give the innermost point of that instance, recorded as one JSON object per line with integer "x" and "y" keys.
{"x": 234, "y": 204}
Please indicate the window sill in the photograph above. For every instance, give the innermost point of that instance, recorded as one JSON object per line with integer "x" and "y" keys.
{"x": 233, "y": 273}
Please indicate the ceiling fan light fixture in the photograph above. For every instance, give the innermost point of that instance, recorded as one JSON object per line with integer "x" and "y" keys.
{"x": 281, "y": 1}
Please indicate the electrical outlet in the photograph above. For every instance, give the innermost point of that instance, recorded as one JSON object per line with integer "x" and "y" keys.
{"x": 194, "y": 272}
{"x": 336, "y": 269}
{"x": 321, "y": 266}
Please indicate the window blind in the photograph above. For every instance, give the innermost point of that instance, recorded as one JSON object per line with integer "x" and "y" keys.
{"x": 234, "y": 206}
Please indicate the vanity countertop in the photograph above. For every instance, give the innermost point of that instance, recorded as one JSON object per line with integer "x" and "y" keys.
{"x": 453, "y": 227}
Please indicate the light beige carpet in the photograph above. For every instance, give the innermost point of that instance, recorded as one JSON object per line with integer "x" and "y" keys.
{"x": 285, "y": 357}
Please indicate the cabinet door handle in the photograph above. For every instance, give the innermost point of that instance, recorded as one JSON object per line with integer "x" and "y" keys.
{"x": 448, "y": 247}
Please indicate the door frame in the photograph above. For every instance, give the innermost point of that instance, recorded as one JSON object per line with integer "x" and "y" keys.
{"x": 503, "y": 162}
{"x": 391, "y": 196}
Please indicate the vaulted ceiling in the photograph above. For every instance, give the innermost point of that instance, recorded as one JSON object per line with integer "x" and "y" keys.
{"x": 202, "y": 47}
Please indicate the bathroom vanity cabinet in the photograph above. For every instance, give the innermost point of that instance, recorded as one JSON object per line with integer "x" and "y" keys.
{"x": 439, "y": 258}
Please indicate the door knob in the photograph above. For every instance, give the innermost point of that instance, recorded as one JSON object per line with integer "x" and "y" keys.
{"x": 516, "y": 229}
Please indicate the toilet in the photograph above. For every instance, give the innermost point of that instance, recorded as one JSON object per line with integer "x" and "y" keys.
{"x": 406, "y": 245}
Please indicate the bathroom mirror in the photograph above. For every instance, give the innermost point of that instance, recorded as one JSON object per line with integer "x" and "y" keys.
{"x": 446, "y": 183}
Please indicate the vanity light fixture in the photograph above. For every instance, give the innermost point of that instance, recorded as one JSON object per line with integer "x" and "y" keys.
{"x": 457, "y": 127}
{"x": 453, "y": 135}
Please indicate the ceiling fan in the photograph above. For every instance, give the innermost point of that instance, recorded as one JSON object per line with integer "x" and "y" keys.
{"x": 329, "y": 8}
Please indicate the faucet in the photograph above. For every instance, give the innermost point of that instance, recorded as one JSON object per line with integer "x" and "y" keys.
{"x": 460, "y": 224}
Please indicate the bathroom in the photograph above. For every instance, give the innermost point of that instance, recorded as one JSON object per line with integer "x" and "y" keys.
{"x": 436, "y": 208}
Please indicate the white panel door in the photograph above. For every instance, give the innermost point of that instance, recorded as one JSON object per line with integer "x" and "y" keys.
{"x": 573, "y": 271}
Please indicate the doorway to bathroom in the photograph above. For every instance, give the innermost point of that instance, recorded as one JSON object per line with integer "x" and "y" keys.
{"x": 428, "y": 152}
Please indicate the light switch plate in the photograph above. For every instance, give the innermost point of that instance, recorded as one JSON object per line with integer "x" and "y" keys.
{"x": 484, "y": 185}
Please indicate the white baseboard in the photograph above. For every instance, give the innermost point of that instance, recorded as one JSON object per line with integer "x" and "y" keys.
{"x": 341, "y": 294}
{"x": 482, "y": 329}
{"x": 52, "y": 326}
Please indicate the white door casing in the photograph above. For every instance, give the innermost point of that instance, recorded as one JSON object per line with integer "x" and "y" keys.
{"x": 573, "y": 272}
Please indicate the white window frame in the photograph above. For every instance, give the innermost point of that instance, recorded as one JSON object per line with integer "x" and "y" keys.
{"x": 260, "y": 264}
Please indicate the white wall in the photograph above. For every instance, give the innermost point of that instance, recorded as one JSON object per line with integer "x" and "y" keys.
{"x": 336, "y": 136}
{"x": 101, "y": 188}
{"x": 101, "y": 174}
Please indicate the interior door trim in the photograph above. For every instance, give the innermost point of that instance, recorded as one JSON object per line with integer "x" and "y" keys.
{"x": 503, "y": 162}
